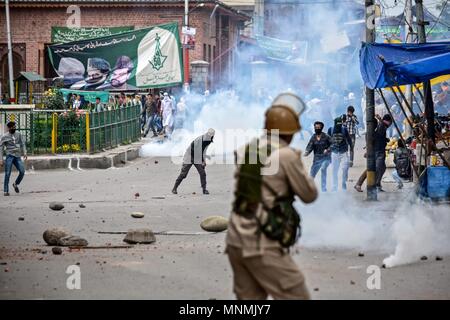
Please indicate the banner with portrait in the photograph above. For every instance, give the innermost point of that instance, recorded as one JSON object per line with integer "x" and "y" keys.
{"x": 144, "y": 58}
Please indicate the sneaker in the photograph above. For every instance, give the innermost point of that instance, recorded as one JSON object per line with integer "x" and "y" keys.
{"x": 16, "y": 188}
{"x": 174, "y": 191}
{"x": 379, "y": 189}
{"x": 358, "y": 188}
{"x": 6, "y": 194}
{"x": 154, "y": 136}
{"x": 205, "y": 191}
{"x": 400, "y": 186}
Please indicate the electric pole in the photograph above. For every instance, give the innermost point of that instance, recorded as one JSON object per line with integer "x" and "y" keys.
{"x": 10, "y": 55}
{"x": 429, "y": 108}
{"x": 409, "y": 32}
{"x": 185, "y": 48}
{"x": 370, "y": 109}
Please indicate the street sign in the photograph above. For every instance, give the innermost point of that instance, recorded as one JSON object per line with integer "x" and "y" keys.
{"x": 188, "y": 31}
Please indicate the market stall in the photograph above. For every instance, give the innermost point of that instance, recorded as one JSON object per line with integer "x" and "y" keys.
{"x": 390, "y": 66}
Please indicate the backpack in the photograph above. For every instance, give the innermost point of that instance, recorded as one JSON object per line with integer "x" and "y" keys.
{"x": 337, "y": 139}
{"x": 283, "y": 222}
{"x": 403, "y": 165}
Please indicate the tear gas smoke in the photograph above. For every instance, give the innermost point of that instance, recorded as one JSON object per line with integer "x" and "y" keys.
{"x": 409, "y": 231}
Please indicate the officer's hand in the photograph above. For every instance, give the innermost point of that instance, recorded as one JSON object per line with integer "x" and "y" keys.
{"x": 25, "y": 157}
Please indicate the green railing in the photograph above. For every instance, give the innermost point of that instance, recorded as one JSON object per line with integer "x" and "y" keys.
{"x": 108, "y": 129}
{"x": 41, "y": 129}
{"x": 104, "y": 130}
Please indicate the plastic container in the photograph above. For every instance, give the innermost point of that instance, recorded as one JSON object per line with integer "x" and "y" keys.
{"x": 438, "y": 186}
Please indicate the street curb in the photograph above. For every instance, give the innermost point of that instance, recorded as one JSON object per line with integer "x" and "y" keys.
{"x": 116, "y": 157}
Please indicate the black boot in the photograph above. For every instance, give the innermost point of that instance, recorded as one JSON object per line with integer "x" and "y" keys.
{"x": 175, "y": 187}
{"x": 205, "y": 191}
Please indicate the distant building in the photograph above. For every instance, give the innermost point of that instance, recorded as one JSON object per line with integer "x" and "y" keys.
{"x": 218, "y": 27}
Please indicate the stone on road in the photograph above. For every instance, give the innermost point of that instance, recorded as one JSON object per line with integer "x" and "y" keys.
{"x": 56, "y": 250}
{"x": 72, "y": 241}
{"x": 214, "y": 224}
{"x": 143, "y": 235}
{"x": 137, "y": 215}
{"x": 56, "y": 206}
{"x": 51, "y": 236}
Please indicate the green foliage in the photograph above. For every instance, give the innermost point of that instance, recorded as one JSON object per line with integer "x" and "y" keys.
{"x": 54, "y": 99}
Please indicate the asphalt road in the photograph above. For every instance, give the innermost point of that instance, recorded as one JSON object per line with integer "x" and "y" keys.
{"x": 175, "y": 266}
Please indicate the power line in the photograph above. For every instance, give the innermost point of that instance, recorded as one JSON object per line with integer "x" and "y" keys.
{"x": 439, "y": 17}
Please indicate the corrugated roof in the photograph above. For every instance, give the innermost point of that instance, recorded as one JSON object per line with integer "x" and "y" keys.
{"x": 37, "y": 2}
{"x": 30, "y": 76}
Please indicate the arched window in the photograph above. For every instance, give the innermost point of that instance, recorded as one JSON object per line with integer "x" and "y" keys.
{"x": 18, "y": 66}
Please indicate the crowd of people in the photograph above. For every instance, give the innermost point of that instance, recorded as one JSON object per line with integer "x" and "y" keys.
{"x": 336, "y": 147}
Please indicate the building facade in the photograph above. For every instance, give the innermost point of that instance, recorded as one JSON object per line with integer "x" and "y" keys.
{"x": 217, "y": 30}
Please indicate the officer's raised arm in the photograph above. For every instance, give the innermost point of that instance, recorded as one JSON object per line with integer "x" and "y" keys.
{"x": 299, "y": 180}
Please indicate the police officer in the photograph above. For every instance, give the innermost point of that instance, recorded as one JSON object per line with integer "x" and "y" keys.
{"x": 262, "y": 266}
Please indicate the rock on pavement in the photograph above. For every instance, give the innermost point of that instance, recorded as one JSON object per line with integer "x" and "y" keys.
{"x": 56, "y": 206}
{"x": 72, "y": 241}
{"x": 137, "y": 214}
{"x": 214, "y": 224}
{"x": 139, "y": 236}
{"x": 51, "y": 236}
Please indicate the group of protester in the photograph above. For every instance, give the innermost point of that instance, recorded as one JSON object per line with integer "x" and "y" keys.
{"x": 336, "y": 147}
{"x": 161, "y": 114}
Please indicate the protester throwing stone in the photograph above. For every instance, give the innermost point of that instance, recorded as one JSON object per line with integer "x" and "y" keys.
{"x": 195, "y": 156}
{"x": 14, "y": 146}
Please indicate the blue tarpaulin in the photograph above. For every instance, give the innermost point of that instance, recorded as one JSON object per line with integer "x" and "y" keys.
{"x": 403, "y": 63}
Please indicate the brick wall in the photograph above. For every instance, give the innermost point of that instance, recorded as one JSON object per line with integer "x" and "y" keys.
{"x": 32, "y": 25}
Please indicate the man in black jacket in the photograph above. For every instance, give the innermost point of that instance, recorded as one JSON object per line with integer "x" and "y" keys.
{"x": 320, "y": 144}
{"x": 195, "y": 156}
{"x": 380, "y": 142}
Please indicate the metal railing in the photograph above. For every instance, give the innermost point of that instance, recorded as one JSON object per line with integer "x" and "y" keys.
{"x": 108, "y": 129}
{"x": 62, "y": 131}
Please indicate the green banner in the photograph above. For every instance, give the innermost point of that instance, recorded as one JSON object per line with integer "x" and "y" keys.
{"x": 65, "y": 34}
{"x": 88, "y": 95}
{"x": 144, "y": 58}
{"x": 283, "y": 50}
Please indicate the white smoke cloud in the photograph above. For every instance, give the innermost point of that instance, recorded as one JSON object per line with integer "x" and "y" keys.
{"x": 235, "y": 122}
{"x": 406, "y": 233}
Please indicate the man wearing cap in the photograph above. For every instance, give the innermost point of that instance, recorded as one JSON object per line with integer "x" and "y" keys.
{"x": 14, "y": 147}
{"x": 262, "y": 266}
{"x": 195, "y": 156}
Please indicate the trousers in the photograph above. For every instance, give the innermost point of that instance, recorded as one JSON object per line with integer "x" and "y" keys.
{"x": 185, "y": 170}
{"x": 9, "y": 162}
{"x": 273, "y": 274}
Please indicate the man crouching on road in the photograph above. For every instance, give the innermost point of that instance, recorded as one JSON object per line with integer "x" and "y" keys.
{"x": 14, "y": 146}
{"x": 195, "y": 156}
{"x": 263, "y": 223}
